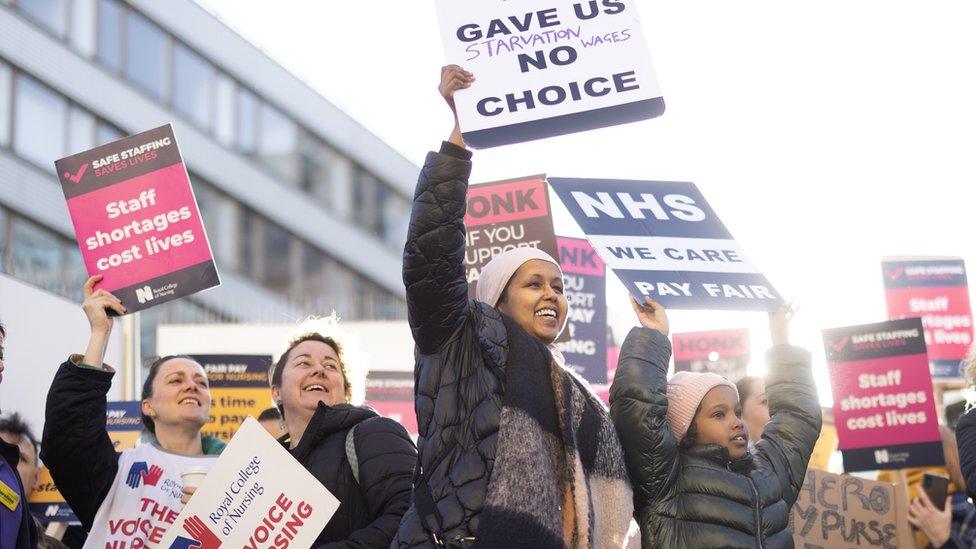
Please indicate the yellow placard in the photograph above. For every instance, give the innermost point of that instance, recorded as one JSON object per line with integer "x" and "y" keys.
{"x": 231, "y": 405}
{"x": 46, "y": 491}
{"x": 825, "y": 446}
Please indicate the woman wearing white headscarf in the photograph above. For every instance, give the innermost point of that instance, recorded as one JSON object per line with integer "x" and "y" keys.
{"x": 515, "y": 450}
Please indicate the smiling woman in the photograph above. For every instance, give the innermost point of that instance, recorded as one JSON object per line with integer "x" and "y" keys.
{"x": 493, "y": 396}
{"x": 364, "y": 460}
{"x": 104, "y": 487}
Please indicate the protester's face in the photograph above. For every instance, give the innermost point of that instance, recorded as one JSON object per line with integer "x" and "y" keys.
{"x": 181, "y": 393}
{"x": 534, "y": 298}
{"x": 755, "y": 410}
{"x": 27, "y": 464}
{"x": 311, "y": 375}
{"x": 719, "y": 421}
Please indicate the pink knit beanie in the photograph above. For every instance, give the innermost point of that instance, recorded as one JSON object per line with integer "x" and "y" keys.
{"x": 685, "y": 392}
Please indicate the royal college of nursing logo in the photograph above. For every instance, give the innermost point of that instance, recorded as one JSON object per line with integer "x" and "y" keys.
{"x": 143, "y": 473}
{"x": 201, "y": 536}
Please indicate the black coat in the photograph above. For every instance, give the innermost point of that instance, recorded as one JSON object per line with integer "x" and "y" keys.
{"x": 26, "y": 537}
{"x": 698, "y": 498}
{"x": 369, "y": 510}
{"x": 461, "y": 348}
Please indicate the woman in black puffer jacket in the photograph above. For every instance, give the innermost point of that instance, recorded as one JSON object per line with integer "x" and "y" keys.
{"x": 364, "y": 460}
{"x": 515, "y": 450}
{"x": 696, "y": 483}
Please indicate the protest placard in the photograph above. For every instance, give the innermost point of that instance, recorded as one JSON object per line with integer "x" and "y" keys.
{"x": 936, "y": 290}
{"x": 137, "y": 220}
{"x": 842, "y": 511}
{"x": 663, "y": 240}
{"x": 547, "y": 69}
{"x": 256, "y": 495}
{"x": 123, "y": 421}
{"x": 884, "y": 408}
{"x": 826, "y": 444}
{"x": 239, "y": 388}
{"x": 724, "y": 352}
{"x": 585, "y": 289}
{"x": 504, "y": 215}
{"x": 391, "y": 394}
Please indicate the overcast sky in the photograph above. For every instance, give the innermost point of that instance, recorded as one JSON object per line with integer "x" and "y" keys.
{"x": 825, "y": 135}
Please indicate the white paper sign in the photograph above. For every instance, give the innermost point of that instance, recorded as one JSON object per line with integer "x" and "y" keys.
{"x": 547, "y": 68}
{"x": 256, "y": 496}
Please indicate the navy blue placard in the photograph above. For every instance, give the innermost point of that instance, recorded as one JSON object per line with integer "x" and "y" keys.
{"x": 664, "y": 241}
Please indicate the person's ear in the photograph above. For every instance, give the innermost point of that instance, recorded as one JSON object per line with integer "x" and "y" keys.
{"x": 147, "y": 409}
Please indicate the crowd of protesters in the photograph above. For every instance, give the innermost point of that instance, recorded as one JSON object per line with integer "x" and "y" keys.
{"x": 514, "y": 449}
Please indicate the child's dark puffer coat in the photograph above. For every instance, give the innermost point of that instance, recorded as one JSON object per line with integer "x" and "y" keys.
{"x": 698, "y": 498}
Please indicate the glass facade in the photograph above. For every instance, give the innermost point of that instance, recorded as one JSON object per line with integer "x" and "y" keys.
{"x": 39, "y": 122}
{"x": 193, "y": 82}
{"x": 50, "y": 14}
{"x": 146, "y": 55}
{"x": 39, "y": 125}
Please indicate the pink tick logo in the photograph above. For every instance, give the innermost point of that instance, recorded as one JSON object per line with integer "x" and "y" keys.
{"x": 840, "y": 344}
{"x": 895, "y": 274}
{"x": 76, "y": 177}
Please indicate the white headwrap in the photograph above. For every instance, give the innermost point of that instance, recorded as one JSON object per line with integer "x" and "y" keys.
{"x": 496, "y": 274}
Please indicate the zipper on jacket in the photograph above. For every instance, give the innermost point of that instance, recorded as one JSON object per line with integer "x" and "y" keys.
{"x": 755, "y": 494}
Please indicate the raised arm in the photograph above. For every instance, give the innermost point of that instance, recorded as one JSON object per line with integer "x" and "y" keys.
{"x": 794, "y": 408}
{"x": 76, "y": 447}
{"x": 639, "y": 406}
{"x": 433, "y": 258}
{"x": 386, "y": 460}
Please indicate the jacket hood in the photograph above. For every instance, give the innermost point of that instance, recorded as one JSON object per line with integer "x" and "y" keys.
{"x": 326, "y": 421}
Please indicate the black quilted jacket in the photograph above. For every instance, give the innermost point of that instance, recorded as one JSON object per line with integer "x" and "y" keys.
{"x": 698, "y": 498}
{"x": 369, "y": 510}
{"x": 461, "y": 348}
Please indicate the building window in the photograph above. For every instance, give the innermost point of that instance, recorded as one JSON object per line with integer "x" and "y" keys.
{"x": 81, "y": 130}
{"x": 106, "y": 133}
{"x": 83, "y": 26}
{"x": 192, "y": 86}
{"x": 39, "y": 122}
{"x": 110, "y": 34}
{"x": 75, "y": 273}
{"x": 247, "y": 121}
{"x": 4, "y": 239}
{"x": 146, "y": 55}
{"x": 277, "y": 142}
{"x": 224, "y": 110}
{"x": 396, "y": 214}
{"x": 50, "y": 14}
{"x": 6, "y": 77}
{"x": 37, "y": 255}
{"x": 315, "y": 170}
{"x": 280, "y": 253}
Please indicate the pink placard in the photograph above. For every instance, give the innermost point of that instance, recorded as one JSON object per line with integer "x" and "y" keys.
{"x": 577, "y": 256}
{"x": 884, "y": 402}
{"x": 140, "y": 255}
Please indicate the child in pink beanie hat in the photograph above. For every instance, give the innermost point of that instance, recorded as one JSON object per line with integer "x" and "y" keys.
{"x": 696, "y": 482}
{"x": 685, "y": 392}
